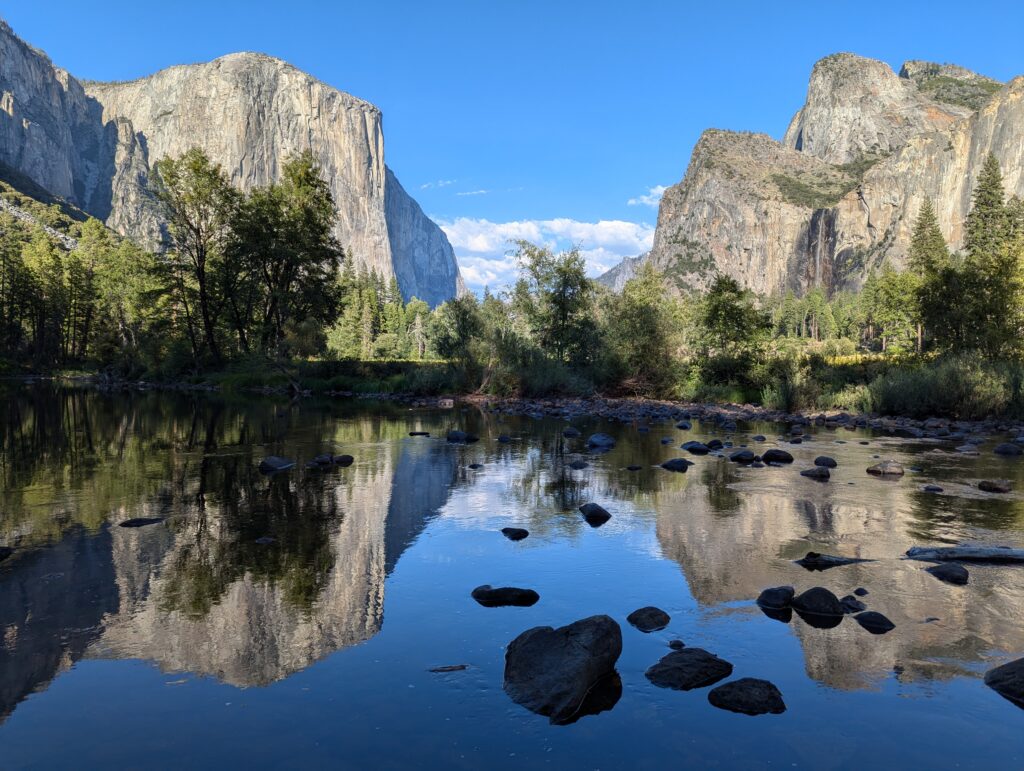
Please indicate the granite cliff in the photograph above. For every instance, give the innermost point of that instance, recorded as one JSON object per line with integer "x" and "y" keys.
{"x": 838, "y": 195}
{"x": 94, "y": 144}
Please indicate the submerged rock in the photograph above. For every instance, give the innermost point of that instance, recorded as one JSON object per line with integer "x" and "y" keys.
{"x": 818, "y": 601}
{"x": 274, "y": 464}
{"x": 932, "y": 489}
{"x": 649, "y": 619}
{"x": 578, "y": 465}
{"x": 950, "y": 572}
{"x": 419, "y": 433}
{"x": 874, "y": 622}
{"x": 1008, "y": 449}
{"x": 683, "y": 425}
{"x": 776, "y": 597}
{"x": 749, "y": 696}
{"x": 504, "y": 438}
{"x": 552, "y": 671}
{"x": 776, "y": 455}
{"x": 515, "y": 533}
{"x": 600, "y": 441}
{"x": 633, "y": 468}
{"x": 676, "y": 464}
{"x": 696, "y": 448}
{"x": 995, "y": 486}
{"x": 461, "y": 437}
{"x": 476, "y": 466}
{"x": 5, "y": 552}
{"x": 595, "y": 514}
{"x": 887, "y": 468}
{"x": 141, "y": 521}
{"x": 1008, "y": 681}
{"x": 814, "y": 561}
{"x": 491, "y": 597}
{"x": 571, "y": 433}
{"x": 688, "y": 668}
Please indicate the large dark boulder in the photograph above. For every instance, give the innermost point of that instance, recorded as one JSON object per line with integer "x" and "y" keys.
{"x": 749, "y": 696}
{"x": 491, "y": 597}
{"x": 595, "y": 514}
{"x": 677, "y": 464}
{"x": 776, "y": 455}
{"x": 1008, "y": 681}
{"x": 649, "y": 619}
{"x": 825, "y": 461}
{"x": 776, "y": 597}
{"x": 950, "y": 572}
{"x": 343, "y": 460}
{"x": 814, "y": 561}
{"x": 689, "y": 668}
{"x": 274, "y": 464}
{"x": 742, "y": 456}
{"x": 818, "y": 601}
{"x": 696, "y": 448}
{"x": 716, "y": 444}
{"x": 552, "y": 671}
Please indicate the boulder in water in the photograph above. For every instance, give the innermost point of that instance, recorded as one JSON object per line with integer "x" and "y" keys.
{"x": 1008, "y": 449}
{"x": 749, "y": 696}
{"x": 141, "y": 521}
{"x": 1008, "y": 681}
{"x": 491, "y": 597}
{"x": 776, "y": 455}
{"x": 818, "y": 473}
{"x": 814, "y": 561}
{"x": 677, "y": 464}
{"x": 776, "y": 597}
{"x": 818, "y": 601}
{"x": 649, "y": 619}
{"x": 825, "y": 461}
{"x": 600, "y": 441}
{"x": 874, "y": 622}
{"x": 514, "y": 533}
{"x": 887, "y": 468}
{"x": 950, "y": 573}
{"x": 995, "y": 485}
{"x": 688, "y": 668}
{"x": 595, "y": 514}
{"x": 274, "y": 464}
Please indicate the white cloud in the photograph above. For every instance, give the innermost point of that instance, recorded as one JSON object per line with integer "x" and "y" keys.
{"x": 482, "y": 246}
{"x": 651, "y": 198}
{"x": 474, "y": 192}
{"x": 438, "y": 183}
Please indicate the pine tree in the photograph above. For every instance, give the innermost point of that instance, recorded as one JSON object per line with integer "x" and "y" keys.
{"x": 986, "y": 224}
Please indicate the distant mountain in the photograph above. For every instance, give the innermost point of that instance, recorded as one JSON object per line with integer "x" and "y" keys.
{"x": 838, "y": 195}
{"x": 617, "y": 277}
{"x": 94, "y": 144}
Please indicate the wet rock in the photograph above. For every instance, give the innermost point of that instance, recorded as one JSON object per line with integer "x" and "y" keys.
{"x": 887, "y": 468}
{"x": 852, "y": 605}
{"x": 874, "y": 622}
{"x": 683, "y": 425}
{"x": 696, "y": 448}
{"x": 324, "y": 459}
{"x": 141, "y": 521}
{"x": 932, "y": 489}
{"x": 776, "y": 597}
{"x": 950, "y": 572}
{"x": 514, "y": 533}
{"x": 1008, "y": 681}
{"x": 776, "y": 455}
{"x": 578, "y": 465}
{"x": 742, "y": 456}
{"x": 633, "y": 468}
{"x": 551, "y": 671}
{"x": 819, "y": 473}
{"x": 818, "y": 601}
{"x": 461, "y": 437}
{"x": 449, "y": 668}
{"x": 688, "y": 668}
{"x": 343, "y": 460}
{"x": 748, "y": 696}
{"x": 600, "y": 441}
{"x": 757, "y": 464}
{"x": 676, "y": 645}
{"x": 491, "y": 597}
{"x": 860, "y": 591}
{"x": 995, "y": 486}
{"x": 993, "y": 554}
{"x": 814, "y": 561}
{"x": 595, "y": 514}
{"x": 274, "y": 464}
{"x": 757, "y": 438}
{"x": 1008, "y": 449}
{"x": 419, "y": 433}
{"x": 825, "y": 461}
{"x": 649, "y": 619}
{"x": 676, "y": 464}
{"x": 715, "y": 444}
{"x": 571, "y": 433}
{"x": 667, "y": 440}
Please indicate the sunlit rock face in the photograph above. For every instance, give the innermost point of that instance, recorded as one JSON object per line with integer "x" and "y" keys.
{"x": 838, "y": 195}
{"x": 95, "y": 145}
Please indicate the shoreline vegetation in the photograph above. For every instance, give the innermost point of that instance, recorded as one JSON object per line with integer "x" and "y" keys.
{"x": 251, "y": 292}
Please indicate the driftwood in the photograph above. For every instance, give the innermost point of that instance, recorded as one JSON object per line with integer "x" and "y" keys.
{"x": 995, "y": 554}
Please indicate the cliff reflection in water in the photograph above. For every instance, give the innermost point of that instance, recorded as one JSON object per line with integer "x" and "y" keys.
{"x": 247, "y": 579}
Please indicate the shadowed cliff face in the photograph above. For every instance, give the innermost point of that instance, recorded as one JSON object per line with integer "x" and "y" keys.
{"x": 839, "y": 195}
{"x": 94, "y": 144}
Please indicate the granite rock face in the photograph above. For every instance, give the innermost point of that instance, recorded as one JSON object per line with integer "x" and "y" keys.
{"x": 95, "y": 144}
{"x": 839, "y": 194}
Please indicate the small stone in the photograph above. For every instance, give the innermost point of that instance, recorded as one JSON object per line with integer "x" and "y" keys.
{"x": 874, "y": 622}
{"x": 776, "y": 455}
{"x": 633, "y": 468}
{"x": 141, "y": 521}
{"x": 932, "y": 489}
{"x": 578, "y": 465}
{"x": 450, "y": 668}
{"x": 860, "y": 591}
{"x": 676, "y": 645}
{"x": 825, "y": 461}
{"x": 504, "y": 438}
{"x": 419, "y": 433}
{"x": 514, "y": 533}
{"x": 814, "y": 561}
{"x": 600, "y": 441}
{"x": 819, "y": 473}
{"x": 649, "y": 619}
{"x": 887, "y": 468}
{"x": 748, "y": 696}
{"x": 595, "y": 514}
{"x": 490, "y": 597}
{"x": 995, "y": 486}
{"x": 695, "y": 448}
{"x": 676, "y": 464}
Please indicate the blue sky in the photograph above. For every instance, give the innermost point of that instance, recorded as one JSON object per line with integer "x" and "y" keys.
{"x": 547, "y": 120}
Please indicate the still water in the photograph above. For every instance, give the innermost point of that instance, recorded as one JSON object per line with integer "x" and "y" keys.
{"x": 201, "y": 642}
